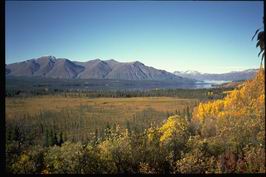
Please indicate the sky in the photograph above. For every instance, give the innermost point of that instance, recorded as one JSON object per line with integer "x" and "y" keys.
{"x": 210, "y": 37}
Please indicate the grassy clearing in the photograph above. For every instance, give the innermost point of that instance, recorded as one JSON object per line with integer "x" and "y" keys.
{"x": 15, "y": 107}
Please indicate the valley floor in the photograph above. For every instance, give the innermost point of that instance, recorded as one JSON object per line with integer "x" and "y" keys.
{"x": 123, "y": 106}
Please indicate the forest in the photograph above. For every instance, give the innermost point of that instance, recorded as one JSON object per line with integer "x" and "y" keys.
{"x": 203, "y": 134}
{"x": 200, "y": 93}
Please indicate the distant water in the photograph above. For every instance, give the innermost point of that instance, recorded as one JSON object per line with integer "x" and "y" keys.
{"x": 209, "y": 83}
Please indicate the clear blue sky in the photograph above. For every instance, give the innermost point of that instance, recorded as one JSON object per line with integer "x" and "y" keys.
{"x": 206, "y": 36}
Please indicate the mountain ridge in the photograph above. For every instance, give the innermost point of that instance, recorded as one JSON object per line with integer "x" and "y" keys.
{"x": 52, "y": 67}
{"x": 229, "y": 76}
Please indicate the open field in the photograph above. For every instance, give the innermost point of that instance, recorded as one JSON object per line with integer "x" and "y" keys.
{"x": 15, "y": 107}
{"x": 78, "y": 118}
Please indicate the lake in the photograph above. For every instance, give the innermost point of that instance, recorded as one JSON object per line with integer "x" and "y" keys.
{"x": 209, "y": 83}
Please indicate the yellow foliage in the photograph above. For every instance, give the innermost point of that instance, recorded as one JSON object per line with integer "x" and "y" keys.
{"x": 248, "y": 100}
{"x": 24, "y": 158}
{"x": 174, "y": 126}
{"x": 151, "y": 133}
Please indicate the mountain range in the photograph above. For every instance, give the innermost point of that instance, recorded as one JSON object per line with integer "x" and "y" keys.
{"x": 62, "y": 68}
{"x": 230, "y": 76}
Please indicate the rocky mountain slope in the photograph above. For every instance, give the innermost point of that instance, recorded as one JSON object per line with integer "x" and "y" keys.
{"x": 51, "y": 67}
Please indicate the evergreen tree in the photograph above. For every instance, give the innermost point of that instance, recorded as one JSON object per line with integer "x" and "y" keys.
{"x": 46, "y": 138}
{"x": 41, "y": 126}
{"x": 188, "y": 115}
{"x": 9, "y": 135}
{"x": 107, "y": 131}
{"x": 178, "y": 113}
{"x": 65, "y": 137}
{"x": 50, "y": 138}
{"x": 17, "y": 135}
{"x": 55, "y": 141}
{"x": 128, "y": 128}
{"x": 96, "y": 135}
{"x": 61, "y": 141}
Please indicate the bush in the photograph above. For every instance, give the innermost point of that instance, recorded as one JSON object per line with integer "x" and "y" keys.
{"x": 64, "y": 159}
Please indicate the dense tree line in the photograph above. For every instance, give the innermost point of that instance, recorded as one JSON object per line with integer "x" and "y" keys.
{"x": 202, "y": 94}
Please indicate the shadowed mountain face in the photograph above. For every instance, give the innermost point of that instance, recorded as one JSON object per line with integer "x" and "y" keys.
{"x": 64, "y": 68}
{"x": 45, "y": 65}
{"x": 50, "y": 67}
{"x": 230, "y": 76}
{"x": 94, "y": 69}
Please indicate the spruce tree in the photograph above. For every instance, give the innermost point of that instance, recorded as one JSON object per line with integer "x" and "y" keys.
{"x": 46, "y": 138}
{"x": 55, "y": 142}
{"x": 50, "y": 138}
{"x": 61, "y": 141}
{"x": 128, "y": 127}
{"x": 96, "y": 134}
{"x": 17, "y": 135}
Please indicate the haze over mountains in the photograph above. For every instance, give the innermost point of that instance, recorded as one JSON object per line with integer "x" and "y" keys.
{"x": 230, "y": 76}
{"x": 51, "y": 67}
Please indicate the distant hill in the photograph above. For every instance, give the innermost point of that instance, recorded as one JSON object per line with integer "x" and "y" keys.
{"x": 230, "y": 76}
{"x": 51, "y": 67}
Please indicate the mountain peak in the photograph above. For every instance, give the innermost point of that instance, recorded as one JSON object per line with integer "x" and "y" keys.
{"x": 134, "y": 63}
{"x": 112, "y": 60}
{"x": 137, "y": 63}
{"x": 48, "y": 58}
{"x": 51, "y": 57}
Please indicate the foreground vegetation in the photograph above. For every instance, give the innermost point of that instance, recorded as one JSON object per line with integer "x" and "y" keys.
{"x": 220, "y": 136}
